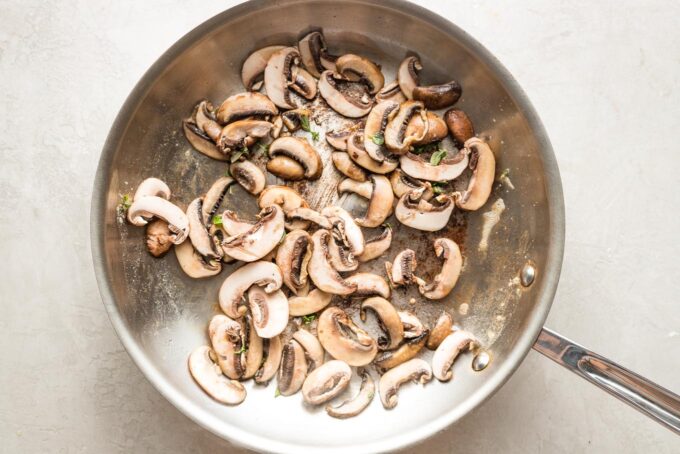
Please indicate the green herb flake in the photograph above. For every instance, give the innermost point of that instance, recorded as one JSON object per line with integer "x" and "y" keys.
{"x": 315, "y": 136}
{"x": 237, "y": 154}
{"x": 283, "y": 237}
{"x": 125, "y": 201}
{"x": 438, "y": 188}
{"x": 263, "y": 148}
{"x": 504, "y": 174}
{"x": 378, "y": 139}
{"x": 370, "y": 396}
{"x": 308, "y": 319}
{"x": 277, "y": 393}
{"x": 387, "y": 225}
{"x": 437, "y": 157}
{"x": 217, "y": 219}
{"x": 243, "y": 349}
{"x": 304, "y": 123}
{"x": 227, "y": 173}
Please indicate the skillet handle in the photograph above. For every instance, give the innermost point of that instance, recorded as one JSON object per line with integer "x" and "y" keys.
{"x": 651, "y": 399}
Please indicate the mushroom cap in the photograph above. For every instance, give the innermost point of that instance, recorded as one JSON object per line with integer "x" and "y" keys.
{"x": 242, "y": 105}
{"x": 338, "y": 140}
{"x": 236, "y": 284}
{"x": 446, "y": 279}
{"x": 347, "y": 228}
{"x": 397, "y": 138}
{"x": 326, "y": 382}
{"x": 270, "y": 311}
{"x": 369, "y": 284}
{"x": 357, "y": 152}
{"x": 270, "y": 367}
{"x": 416, "y": 370}
{"x": 278, "y": 74}
{"x": 374, "y": 129}
{"x": 214, "y": 197}
{"x": 253, "y": 67}
{"x": 391, "y": 92}
{"x": 403, "y": 183}
{"x": 286, "y": 168}
{"x": 438, "y": 96}
{"x": 158, "y": 238}
{"x": 389, "y": 321}
{"x": 249, "y": 176}
{"x": 448, "y": 169}
{"x": 358, "y": 68}
{"x": 406, "y": 351}
{"x": 312, "y": 346}
{"x": 226, "y": 337}
{"x": 347, "y": 167}
{"x": 201, "y": 142}
{"x": 333, "y": 330}
{"x": 287, "y": 198}
{"x": 152, "y": 186}
{"x": 442, "y": 328}
{"x": 344, "y": 96}
{"x": 380, "y": 204}
{"x": 193, "y": 264}
{"x": 483, "y": 164}
{"x": 293, "y": 368}
{"x": 417, "y": 213}
{"x": 209, "y": 377}
{"x": 322, "y": 273}
{"x": 292, "y": 258}
{"x": 377, "y": 246}
{"x": 459, "y": 125}
{"x": 407, "y": 75}
{"x": 436, "y": 129}
{"x": 312, "y": 46}
{"x": 448, "y": 350}
{"x": 301, "y": 152}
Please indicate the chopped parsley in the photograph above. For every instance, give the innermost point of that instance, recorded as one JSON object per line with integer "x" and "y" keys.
{"x": 125, "y": 202}
{"x": 235, "y": 156}
{"x": 438, "y": 188}
{"x": 387, "y": 225}
{"x": 243, "y": 349}
{"x": 277, "y": 393}
{"x": 304, "y": 124}
{"x": 283, "y": 237}
{"x": 263, "y": 148}
{"x": 308, "y": 319}
{"x": 430, "y": 147}
{"x": 378, "y": 139}
{"x": 227, "y": 173}
{"x": 437, "y": 157}
{"x": 217, "y": 219}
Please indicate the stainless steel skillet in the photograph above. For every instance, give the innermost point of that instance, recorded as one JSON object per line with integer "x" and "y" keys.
{"x": 161, "y": 315}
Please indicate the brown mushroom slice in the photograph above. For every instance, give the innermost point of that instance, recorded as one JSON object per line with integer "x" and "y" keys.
{"x": 303, "y": 83}
{"x": 357, "y": 404}
{"x": 374, "y": 130}
{"x": 363, "y": 188}
{"x": 198, "y": 233}
{"x": 442, "y": 328}
{"x": 201, "y": 141}
{"x": 403, "y": 183}
{"x": 380, "y": 205}
{"x": 285, "y": 168}
{"x": 407, "y": 75}
{"x": 389, "y": 321}
{"x": 369, "y": 284}
{"x": 214, "y": 197}
{"x": 310, "y": 304}
{"x": 438, "y": 96}
{"x": 249, "y": 176}
{"x": 396, "y": 138}
{"x": 278, "y": 75}
{"x": 252, "y": 357}
{"x": 322, "y": 273}
{"x": 391, "y": 92}
{"x": 273, "y": 348}
{"x": 338, "y": 140}
{"x": 436, "y": 128}
{"x": 241, "y": 134}
{"x": 235, "y": 285}
{"x": 307, "y": 214}
{"x": 158, "y": 238}
{"x": 247, "y": 104}
{"x": 357, "y": 68}
{"x": 312, "y": 347}
{"x": 292, "y": 258}
{"x": 261, "y": 239}
{"x": 345, "y": 228}
{"x": 448, "y": 169}
{"x": 208, "y": 376}
{"x": 326, "y": 382}
{"x": 413, "y": 327}
{"x": 293, "y": 369}
{"x": 406, "y": 351}
{"x": 414, "y": 212}
{"x": 252, "y": 70}
{"x": 292, "y": 119}
{"x": 357, "y": 152}
{"x": 226, "y": 337}
{"x": 341, "y": 257}
{"x": 343, "y": 340}
{"x": 233, "y": 225}
{"x": 347, "y": 167}
{"x": 204, "y": 117}
{"x": 154, "y": 206}
{"x": 301, "y": 152}
{"x": 287, "y": 198}
{"x": 448, "y": 350}
{"x": 444, "y": 282}
{"x": 402, "y": 270}
{"x": 269, "y": 310}
{"x": 416, "y": 370}
{"x": 483, "y": 165}
{"x": 347, "y": 98}
{"x": 377, "y": 246}
{"x": 193, "y": 264}
{"x": 459, "y": 125}
{"x": 313, "y": 52}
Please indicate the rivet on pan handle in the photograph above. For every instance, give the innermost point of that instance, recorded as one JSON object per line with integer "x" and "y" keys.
{"x": 651, "y": 399}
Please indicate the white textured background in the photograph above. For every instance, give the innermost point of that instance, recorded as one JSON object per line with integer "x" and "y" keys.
{"x": 605, "y": 78}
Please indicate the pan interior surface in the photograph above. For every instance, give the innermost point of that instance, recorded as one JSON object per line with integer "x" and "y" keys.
{"x": 161, "y": 314}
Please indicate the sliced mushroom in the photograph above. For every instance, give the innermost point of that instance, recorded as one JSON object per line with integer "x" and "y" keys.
{"x": 441, "y": 329}
{"x": 205, "y": 119}
{"x": 301, "y": 152}
{"x": 416, "y": 370}
{"x": 303, "y": 83}
{"x": 292, "y": 119}
{"x": 278, "y": 75}
{"x": 158, "y": 238}
{"x": 235, "y": 285}
{"x": 406, "y": 351}
{"x": 233, "y": 225}
{"x": 293, "y": 368}
{"x": 357, "y": 68}
{"x": 407, "y": 75}
{"x": 253, "y": 68}
{"x": 396, "y": 138}
{"x": 226, "y": 337}
{"x": 242, "y": 134}
{"x": 338, "y": 140}
{"x": 198, "y": 233}
{"x": 341, "y": 257}
{"x": 403, "y": 183}
{"x": 357, "y": 404}
{"x": 242, "y": 105}
{"x": 273, "y": 348}
{"x": 438, "y": 96}
{"x": 312, "y": 347}
{"x": 345, "y": 228}
{"x": 343, "y": 340}
{"x": 307, "y": 214}
{"x": 459, "y": 125}
{"x": 448, "y": 169}
{"x": 413, "y": 327}
{"x": 277, "y": 126}
{"x": 391, "y": 92}
{"x": 152, "y": 187}
{"x": 376, "y": 246}
{"x": 324, "y": 276}
{"x": 402, "y": 270}
{"x": 201, "y": 141}
{"x": 253, "y": 354}
{"x": 483, "y": 165}
{"x": 208, "y": 376}
{"x": 154, "y": 206}
{"x": 448, "y": 350}
{"x": 314, "y": 53}
{"x": 292, "y": 258}
{"x": 420, "y": 214}
{"x": 249, "y": 176}
{"x": 389, "y": 321}
{"x": 261, "y": 239}
{"x": 444, "y": 282}
{"x": 436, "y": 129}
{"x": 369, "y": 284}
{"x": 374, "y": 130}
{"x": 363, "y": 188}
{"x": 193, "y": 264}
{"x": 310, "y": 304}
{"x": 287, "y": 198}
{"x": 286, "y": 168}
{"x": 326, "y": 382}
{"x": 270, "y": 311}
{"x": 357, "y": 152}
{"x": 214, "y": 197}
{"x": 347, "y": 98}
{"x": 347, "y": 167}
{"x": 380, "y": 204}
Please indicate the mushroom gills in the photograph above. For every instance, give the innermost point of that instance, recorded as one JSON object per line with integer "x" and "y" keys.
{"x": 261, "y": 239}
{"x": 407, "y": 350}
{"x": 388, "y": 319}
{"x": 320, "y": 270}
{"x": 269, "y": 311}
{"x": 299, "y": 151}
{"x": 273, "y": 348}
{"x": 293, "y": 369}
{"x": 343, "y": 340}
{"x": 326, "y": 382}
{"x": 414, "y": 212}
{"x": 349, "y": 99}
{"x": 407, "y": 75}
{"x": 247, "y": 104}
{"x": 446, "y": 279}
{"x": 292, "y": 258}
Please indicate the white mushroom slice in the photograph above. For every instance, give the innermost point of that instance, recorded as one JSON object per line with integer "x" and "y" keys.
{"x": 374, "y": 130}
{"x": 380, "y": 205}
{"x": 287, "y": 198}
{"x": 391, "y": 92}
{"x": 278, "y": 74}
{"x": 292, "y": 258}
{"x": 301, "y": 152}
{"x": 420, "y": 214}
{"x": 402, "y": 270}
{"x": 448, "y": 169}
{"x": 293, "y": 368}
{"x": 286, "y": 168}
{"x": 435, "y": 130}
{"x": 407, "y": 75}
{"x": 152, "y": 186}
{"x": 345, "y": 228}
{"x": 396, "y": 138}
{"x": 270, "y": 311}
{"x": 241, "y": 134}
{"x": 226, "y": 337}
{"x": 313, "y": 51}
{"x": 448, "y": 350}
{"x": 307, "y": 214}
{"x": 326, "y": 382}
{"x": 438, "y": 96}
{"x": 312, "y": 347}
{"x": 201, "y": 141}
{"x": 347, "y": 167}
{"x": 444, "y": 282}
{"x": 303, "y": 83}
{"x": 347, "y": 98}
{"x": 198, "y": 233}
{"x": 376, "y": 246}
{"x": 341, "y": 258}
{"x": 324, "y": 276}
{"x": 343, "y": 340}
{"x": 204, "y": 116}
{"x": 361, "y": 69}
{"x": 406, "y": 351}
{"x": 416, "y": 370}
{"x": 403, "y": 183}
{"x": 233, "y": 225}
{"x": 389, "y": 321}
{"x": 274, "y": 348}
{"x": 442, "y": 328}
{"x": 208, "y": 376}
{"x": 361, "y": 188}
{"x": 483, "y": 165}
{"x": 242, "y": 105}
{"x": 254, "y": 351}
{"x": 214, "y": 197}
{"x": 193, "y": 264}
{"x": 154, "y": 206}
{"x": 356, "y": 404}
{"x": 413, "y": 327}
{"x": 338, "y": 140}
{"x": 249, "y": 176}
{"x": 261, "y": 239}
{"x": 253, "y": 68}
{"x": 357, "y": 152}
{"x": 310, "y": 304}
{"x": 235, "y": 285}
{"x": 369, "y": 284}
